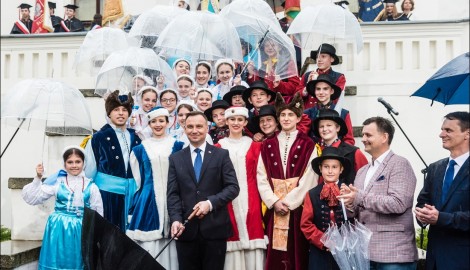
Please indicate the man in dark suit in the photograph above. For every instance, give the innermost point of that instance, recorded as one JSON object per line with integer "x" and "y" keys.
{"x": 444, "y": 201}
{"x": 201, "y": 177}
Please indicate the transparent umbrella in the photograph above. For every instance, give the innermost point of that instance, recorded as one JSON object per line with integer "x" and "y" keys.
{"x": 96, "y": 47}
{"x": 121, "y": 66}
{"x": 46, "y": 104}
{"x": 328, "y": 23}
{"x": 200, "y": 35}
{"x": 152, "y": 22}
{"x": 274, "y": 53}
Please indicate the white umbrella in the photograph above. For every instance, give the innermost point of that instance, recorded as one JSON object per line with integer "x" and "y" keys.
{"x": 121, "y": 66}
{"x": 326, "y": 24}
{"x": 200, "y": 35}
{"x": 96, "y": 47}
{"x": 152, "y": 22}
{"x": 40, "y": 103}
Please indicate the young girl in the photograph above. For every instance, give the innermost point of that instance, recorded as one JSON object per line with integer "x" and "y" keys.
{"x": 246, "y": 247}
{"x": 181, "y": 66}
{"x": 203, "y": 75}
{"x": 321, "y": 207}
{"x": 186, "y": 89}
{"x": 225, "y": 71}
{"x": 203, "y": 99}
{"x": 61, "y": 244}
{"x": 148, "y": 100}
{"x": 169, "y": 99}
{"x": 149, "y": 224}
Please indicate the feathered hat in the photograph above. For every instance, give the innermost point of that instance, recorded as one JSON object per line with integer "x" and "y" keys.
{"x": 296, "y": 105}
{"x": 115, "y": 100}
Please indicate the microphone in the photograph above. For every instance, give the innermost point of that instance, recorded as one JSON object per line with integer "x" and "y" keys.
{"x": 387, "y": 105}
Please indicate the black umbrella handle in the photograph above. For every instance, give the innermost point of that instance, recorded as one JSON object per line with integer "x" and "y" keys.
{"x": 14, "y": 134}
{"x": 173, "y": 238}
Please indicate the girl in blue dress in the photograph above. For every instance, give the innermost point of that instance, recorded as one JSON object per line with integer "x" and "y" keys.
{"x": 149, "y": 221}
{"x": 61, "y": 244}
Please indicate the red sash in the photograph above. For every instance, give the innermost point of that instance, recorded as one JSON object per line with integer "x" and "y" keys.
{"x": 22, "y": 27}
{"x": 62, "y": 23}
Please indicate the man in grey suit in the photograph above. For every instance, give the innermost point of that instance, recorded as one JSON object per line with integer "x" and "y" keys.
{"x": 201, "y": 177}
{"x": 444, "y": 201}
{"x": 382, "y": 199}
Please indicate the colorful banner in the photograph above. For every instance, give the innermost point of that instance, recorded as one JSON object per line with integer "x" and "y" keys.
{"x": 113, "y": 10}
{"x": 292, "y": 8}
{"x": 42, "y": 18}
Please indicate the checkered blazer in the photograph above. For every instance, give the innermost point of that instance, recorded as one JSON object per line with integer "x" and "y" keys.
{"x": 385, "y": 207}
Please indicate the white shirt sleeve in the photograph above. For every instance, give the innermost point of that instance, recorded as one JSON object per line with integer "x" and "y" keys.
{"x": 96, "y": 203}
{"x": 135, "y": 167}
{"x": 36, "y": 192}
{"x": 90, "y": 163}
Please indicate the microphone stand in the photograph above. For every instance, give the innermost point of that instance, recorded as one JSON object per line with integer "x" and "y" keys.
{"x": 423, "y": 171}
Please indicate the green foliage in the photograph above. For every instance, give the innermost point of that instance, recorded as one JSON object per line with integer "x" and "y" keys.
{"x": 425, "y": 238}
{"x": 5, "y": 234}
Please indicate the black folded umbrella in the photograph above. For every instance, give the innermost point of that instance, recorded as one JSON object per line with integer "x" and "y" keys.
{"x": 105, "y": 246}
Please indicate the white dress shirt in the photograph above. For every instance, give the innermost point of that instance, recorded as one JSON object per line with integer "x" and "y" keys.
{"x": 374, "y": 166}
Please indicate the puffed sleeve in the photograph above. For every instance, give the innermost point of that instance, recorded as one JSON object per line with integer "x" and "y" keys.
{"x": 90, "y": 161}
{"x": 96, "y": 203}
{"x": 265, "y": 190}
{"x": 135, "y": 167}
{"x": 36, "y": 192}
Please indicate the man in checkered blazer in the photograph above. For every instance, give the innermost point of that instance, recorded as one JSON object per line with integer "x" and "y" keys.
{"x": 382, "y": 199}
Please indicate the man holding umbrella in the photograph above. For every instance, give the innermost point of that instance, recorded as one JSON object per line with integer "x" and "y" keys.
{"x": 201, "y": 179}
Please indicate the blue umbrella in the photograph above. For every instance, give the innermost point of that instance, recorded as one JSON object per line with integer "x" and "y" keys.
{"x": 450, "y": 84}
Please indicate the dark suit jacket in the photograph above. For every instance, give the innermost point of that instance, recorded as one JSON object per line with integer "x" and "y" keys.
{"x": 449, "y": 239}
{"x": 218, "y": 183}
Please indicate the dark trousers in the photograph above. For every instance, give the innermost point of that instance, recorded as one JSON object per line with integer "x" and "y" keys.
{"x": 201, "y": 254}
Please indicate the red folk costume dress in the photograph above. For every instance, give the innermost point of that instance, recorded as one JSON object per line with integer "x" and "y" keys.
{"x": 284, "y": 172}
{"x": 246, "y": 248}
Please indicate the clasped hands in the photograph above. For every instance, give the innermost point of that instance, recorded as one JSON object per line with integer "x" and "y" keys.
{"x": 348, "y": 194}
{"x": 427, "y": 214}
{"x": 281, "y": 207}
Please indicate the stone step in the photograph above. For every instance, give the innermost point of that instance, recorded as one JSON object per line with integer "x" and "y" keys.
{"x": 15, "y": 253}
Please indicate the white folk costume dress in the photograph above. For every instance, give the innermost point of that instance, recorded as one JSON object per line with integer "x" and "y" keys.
{"x": 61, "y": 244}
{"x": 149, "y": 223}
{"x": 284, "y": 172}
{"x": 246, "y": 248}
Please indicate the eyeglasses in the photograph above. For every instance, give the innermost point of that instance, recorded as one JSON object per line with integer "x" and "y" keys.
{"x": 168, "y": 100}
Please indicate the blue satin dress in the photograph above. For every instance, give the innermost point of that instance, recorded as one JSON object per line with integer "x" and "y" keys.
{"x": 61, "y": 245}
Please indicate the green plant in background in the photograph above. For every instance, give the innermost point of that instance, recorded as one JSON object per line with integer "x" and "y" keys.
{"x": 425, "y": 238}
{"x": 5, "y": 234}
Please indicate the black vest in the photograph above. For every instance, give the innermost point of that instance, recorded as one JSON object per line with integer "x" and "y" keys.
{"x": 321, "y": 217}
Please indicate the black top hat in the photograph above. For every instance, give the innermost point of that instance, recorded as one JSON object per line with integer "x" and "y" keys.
{"x": 331, "y": 153}
{"x": 218, "y": 104}
{"x": 326, "y": 48}
{"x": 329, "y": 114}
{"x": 258, "y": 85}
{"x": 23, "y": 5}
{"x": 327, "y": 79}
{"x": 265, "y": 110}
{"x": 70, "y": 6}
{"x": 236, "y": 90}
{"x": 389, "y": 1}
{"x": 51, "y": 4}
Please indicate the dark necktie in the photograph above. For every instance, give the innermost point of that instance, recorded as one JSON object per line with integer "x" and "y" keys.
{"x": 197, "y": 163}
{"x": 449, "y": 177}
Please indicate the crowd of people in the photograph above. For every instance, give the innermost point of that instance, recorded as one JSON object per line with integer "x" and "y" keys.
{"x": 248, "y": 171}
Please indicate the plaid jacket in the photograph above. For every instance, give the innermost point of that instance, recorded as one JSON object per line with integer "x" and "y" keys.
{"x": 385, "y": 207}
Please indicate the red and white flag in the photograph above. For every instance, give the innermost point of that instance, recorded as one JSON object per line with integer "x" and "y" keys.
{"x": 42, "y": 18}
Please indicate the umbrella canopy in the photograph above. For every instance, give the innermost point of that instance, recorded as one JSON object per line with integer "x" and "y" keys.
{"x": 263, "y": 31}
{"x": 121, "y": 66}
{"x": 450, "y": 84}
{"x": 200, "y": 35}
{"x": 96, "y": 47}
{"x": 151, "y": 23}
{"x": 250, "y": 8}
{"x": 326, "y": 24}
{"x": 46, "y": 102}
